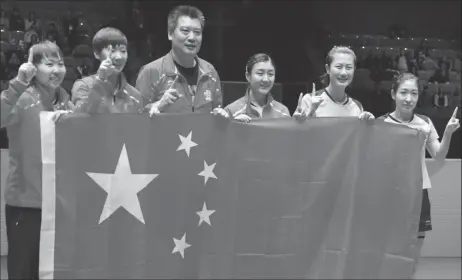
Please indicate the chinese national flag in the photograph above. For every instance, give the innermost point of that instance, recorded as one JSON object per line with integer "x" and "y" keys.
{"x": 197, "y": 196}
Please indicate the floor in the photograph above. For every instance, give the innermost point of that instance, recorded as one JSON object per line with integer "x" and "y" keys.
{"x": 429, "y": 268}
{"x": 439, "y": 268}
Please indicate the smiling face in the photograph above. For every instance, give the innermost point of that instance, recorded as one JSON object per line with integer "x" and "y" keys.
{"x": 111, "y": 42}
{"x": 48, "y": 59}
{"x": 187, "y": 36}
{"x": 341, "y": 70}
{"x": 406, "y": 96}
{"x": 118, "y": 55}
{"x": 50, "y": 71}
{"x": 261, "y": 77}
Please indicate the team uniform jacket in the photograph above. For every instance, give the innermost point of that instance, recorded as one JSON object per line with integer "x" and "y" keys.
{"x": 424, "y": 124}
{"x": 244, "y": 105}
{"x": 329, "y": 108}
{"x": 156, "y": 77}
{"x": 91, "y": 95}
{"x": 20, "y": 114}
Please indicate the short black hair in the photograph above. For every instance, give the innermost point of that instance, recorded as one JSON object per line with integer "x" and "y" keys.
{"x": 45, "y": 49}
{"x": 108, "y": 36}
{"x": 180, "y": 11}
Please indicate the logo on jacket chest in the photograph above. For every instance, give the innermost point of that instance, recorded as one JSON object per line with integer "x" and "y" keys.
{"x": 208, "y": 95}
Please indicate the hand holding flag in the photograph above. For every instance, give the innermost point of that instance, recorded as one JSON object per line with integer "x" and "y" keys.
{"x": 243, "y": 118}
{"x": 56, "y": 115}
{"x": 220, "y": 112}
{"x": 366, "y": 116}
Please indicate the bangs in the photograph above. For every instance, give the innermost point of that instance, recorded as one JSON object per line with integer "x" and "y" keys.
{"x": 45, "y": 50}
{"x": 108, "y": 36}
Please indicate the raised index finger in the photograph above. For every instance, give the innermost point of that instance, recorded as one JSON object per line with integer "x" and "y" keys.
{"x": 108, "y": 52}
{"x": 31, "y": 55}
{"x": 454, "y": 115}
{"x": 300, "y": 99}
{"x": 313, "y": 92}
{"x": 174, "y": 81}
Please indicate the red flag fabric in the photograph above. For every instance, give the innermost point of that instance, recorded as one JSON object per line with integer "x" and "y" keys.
{"x": 197, "y": 196}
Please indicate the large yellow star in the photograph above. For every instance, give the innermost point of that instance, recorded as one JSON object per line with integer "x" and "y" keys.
{"x": 122, "y": 188}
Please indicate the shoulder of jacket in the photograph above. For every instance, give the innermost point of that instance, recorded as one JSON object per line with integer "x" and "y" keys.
{"x": 207, "y": 65}
{"x": 279, "y": 105}
{"x": 424, "y": 118}
{"x": 357, "y": 103}
{"x": 88, "y": 80}
{"x": 132, "y": 91}
{"x": 281, "y": 108}
{"x": 28, "y": 97}
{"x": 153, "y": 65}
{"x": 237, "y": 104}
{"x": 319, "y": 92}
{"x": 64, "y": 96}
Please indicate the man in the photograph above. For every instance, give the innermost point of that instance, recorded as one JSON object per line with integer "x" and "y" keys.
{"x": 107, "y": 91}
{"x": 180, "y": 81}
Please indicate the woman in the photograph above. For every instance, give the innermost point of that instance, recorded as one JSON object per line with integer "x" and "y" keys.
{"x": 108, "y": 90}
{"x": 405, "y": 93}
{"x": 333, "y": 101}
{"x": 258, "y": 102}
{"x": 35, "y": 89}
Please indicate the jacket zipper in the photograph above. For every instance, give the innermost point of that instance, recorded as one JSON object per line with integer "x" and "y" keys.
{"x": 197, "y": 87}
{"x": 189, "y": 90}
{"x": 19, "y": 217}
{"x": 192, "y": 102}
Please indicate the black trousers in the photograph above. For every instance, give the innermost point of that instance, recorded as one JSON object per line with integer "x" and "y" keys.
{"x": 425, "y": 215}
{"x": 23, "y": 235}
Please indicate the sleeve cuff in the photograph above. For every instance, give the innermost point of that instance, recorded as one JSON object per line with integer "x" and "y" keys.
{"x": 16, "y": 89}
{"x": 18, "y": 85}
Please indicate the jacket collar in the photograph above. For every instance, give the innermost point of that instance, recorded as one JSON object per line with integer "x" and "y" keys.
{"x": 398, "y": 121}
{"x": 250, "y": 102}
{"x": 170, "y": 67}
{"x": 121, "y": 82}
{"x": 59, "y": 95}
